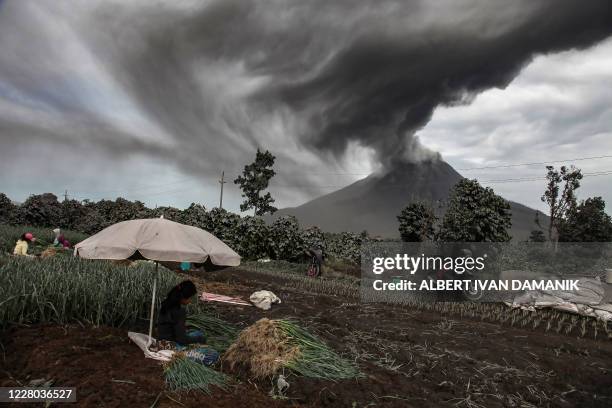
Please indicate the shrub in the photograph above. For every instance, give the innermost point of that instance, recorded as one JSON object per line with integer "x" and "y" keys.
{"x": 314, "y": 238}
{"x": 197, "y": 216}
{"x": 286, "y": 239}
{"x": 346, "y": 246}
{"x": 40, "y": 210}
{"x": 7, "y": 209}
{"x": 416, "y": 223}
{"x": 252, "y": 238}
{"x": 222, "y": 225}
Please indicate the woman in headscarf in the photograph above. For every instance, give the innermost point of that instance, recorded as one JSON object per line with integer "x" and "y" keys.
{"x": 172, "y": 330}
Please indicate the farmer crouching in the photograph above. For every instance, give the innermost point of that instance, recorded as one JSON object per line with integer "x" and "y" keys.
{"x": 172, "y": 331}
{"x": 60, "y": 240}
{"x": 22, "y": 245}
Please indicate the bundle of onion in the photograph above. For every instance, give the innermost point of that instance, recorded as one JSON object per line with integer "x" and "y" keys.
{"x": 219, "y": 333}
{"x": 268, "y": 346}
{"x": 183, "y": 374}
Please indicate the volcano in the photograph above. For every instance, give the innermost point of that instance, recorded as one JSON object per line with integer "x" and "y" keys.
{"x": 373, "y": 203}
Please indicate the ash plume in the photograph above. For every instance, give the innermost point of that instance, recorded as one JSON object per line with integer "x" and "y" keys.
{"x": 214, "y": 80}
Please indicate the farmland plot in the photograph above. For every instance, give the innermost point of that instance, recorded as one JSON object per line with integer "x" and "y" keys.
{"x": 421, "y": 355}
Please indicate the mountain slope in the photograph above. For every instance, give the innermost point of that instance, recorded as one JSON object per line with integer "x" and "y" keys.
{"x": 373, "y": 203}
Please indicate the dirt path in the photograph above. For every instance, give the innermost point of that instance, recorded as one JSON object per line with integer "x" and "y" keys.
{"x": 410, "y": 358}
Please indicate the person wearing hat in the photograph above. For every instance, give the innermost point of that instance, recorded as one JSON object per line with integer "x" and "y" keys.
{"x": 21, "y": 248}
{"x": 57, "y": 232}
{"x": 60, "y": 240}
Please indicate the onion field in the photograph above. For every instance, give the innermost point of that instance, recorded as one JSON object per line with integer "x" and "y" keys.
{"x": 67, "y": 289}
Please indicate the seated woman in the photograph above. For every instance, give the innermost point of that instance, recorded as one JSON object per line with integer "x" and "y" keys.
{"x": 60, "y": 240}
{"x": 172, "y": 332}
{"x": 22, "y": 245}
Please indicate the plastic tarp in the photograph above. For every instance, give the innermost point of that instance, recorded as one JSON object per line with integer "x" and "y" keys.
{"x": 142, "y": 341}
{"x": 588, "y": 300}
{"x": 264, "y": 299}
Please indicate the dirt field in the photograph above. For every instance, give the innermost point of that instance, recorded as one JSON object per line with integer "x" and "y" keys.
{"x": 410, "y": 358}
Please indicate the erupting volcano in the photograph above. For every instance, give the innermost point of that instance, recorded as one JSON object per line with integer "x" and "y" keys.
{"x": 373, "y": 203}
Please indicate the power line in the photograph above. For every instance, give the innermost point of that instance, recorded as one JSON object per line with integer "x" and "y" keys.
{"x": 522, "y": 179}
{"x": 509, "y": 180}
{"x": 179, "y": 181}
{"x": 500, "y": 166}
{"x": 187, "y": 180}
{"x": 504, "y": 166}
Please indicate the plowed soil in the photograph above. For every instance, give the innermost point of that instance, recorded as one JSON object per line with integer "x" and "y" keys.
{"x": 410, "y": 358}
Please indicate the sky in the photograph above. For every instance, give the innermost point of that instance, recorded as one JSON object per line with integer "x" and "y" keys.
{"x": 152, "y": 100}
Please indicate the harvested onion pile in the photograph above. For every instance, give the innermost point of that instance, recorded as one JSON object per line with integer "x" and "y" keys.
{"x": 268, "y": 346}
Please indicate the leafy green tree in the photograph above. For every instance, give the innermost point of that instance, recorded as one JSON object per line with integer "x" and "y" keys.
{"x": 252, "y": 238}
{"x": 345, "y": 246}
{"x": 222, "y": 225}
{"x": 587, "y": 222}
{"x": 254, "y": 180}
{"x": 73, "y": 213}
{"x": 92, "y": 222}
{"x": 197, "y": 216}
{"x": 169, "y": 213}
{"x": 560, "y": 201}
{"x": 537, "y": 236}
{"x": 313, "y": 238}
{"x": 416, "y": 223}
{"x": 121, "y": 210}
{"x": 41, "y": 210}
{"x": 286, "y": 239}
{"x": 7, "y": 209}
{"x": 475, "y": 214}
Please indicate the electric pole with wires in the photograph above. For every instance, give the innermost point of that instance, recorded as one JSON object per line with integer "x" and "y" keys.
{"x": 222, "y": 182}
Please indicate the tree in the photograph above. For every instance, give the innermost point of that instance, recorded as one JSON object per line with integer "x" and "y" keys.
{"x": 169, "y": 213}
{"x": 537, "y": 236}
{"x": 42, "y": 210}
{"x": 286, "y": 238}
{"x": 223, "y": 224}
{"x": 7, "y": 209}
{"x": 254, "y": 179}
{"x": 313, "y": 238}
{"x": 475, "y": 214}
{"x": 560, "y": 202}
{"x": 73, "y": 213}
{"x": 252, "y": 240}
{"x": 587, "y": 222}
{"x": 197, "y": 216}
{"x": 416, "y": 223}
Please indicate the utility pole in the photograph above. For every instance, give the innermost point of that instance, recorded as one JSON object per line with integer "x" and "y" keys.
{"x": 222, "y": 182}
{"x": 65, "y": 195}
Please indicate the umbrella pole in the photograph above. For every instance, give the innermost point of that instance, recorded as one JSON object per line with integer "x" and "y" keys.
{"x": 152, "y": 305}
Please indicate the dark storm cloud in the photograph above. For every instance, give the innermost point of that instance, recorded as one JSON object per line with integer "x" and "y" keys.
{"x": 380, "y": 89}
{"x": 371, "y": 74}
{"x": 198, "y": 83}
